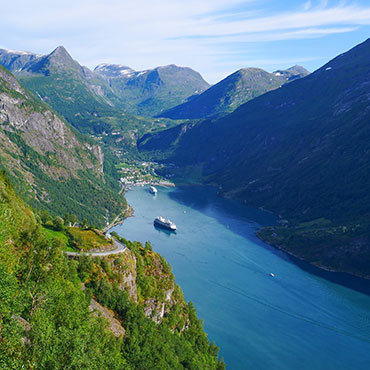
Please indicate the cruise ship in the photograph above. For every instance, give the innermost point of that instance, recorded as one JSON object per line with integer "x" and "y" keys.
{"x": 165, "y": 224}
{"x": 152, "y": 189}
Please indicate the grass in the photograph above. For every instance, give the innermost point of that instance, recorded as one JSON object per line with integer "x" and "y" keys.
{"x": 87, "y": 239}
{"x": 74, "y": 239}
{"x": 52, "y": 234}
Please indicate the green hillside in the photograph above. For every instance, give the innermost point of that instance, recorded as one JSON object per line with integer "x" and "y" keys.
{"x": 102, "y": 102}
{"x": 150, "y": 92}
{"x": 84, "y": 313}
{"x": 233, "y": 91}
{"x": 53, "y": 167}
{"x": 73, "y": 91}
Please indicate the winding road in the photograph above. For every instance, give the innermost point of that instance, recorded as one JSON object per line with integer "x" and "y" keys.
{"x": 119, "y": 249}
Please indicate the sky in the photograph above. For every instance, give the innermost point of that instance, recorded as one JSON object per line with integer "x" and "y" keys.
{"x": 214, "y": 37}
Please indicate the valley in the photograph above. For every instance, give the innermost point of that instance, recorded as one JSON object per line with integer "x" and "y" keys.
{"x": 260, "y": 157}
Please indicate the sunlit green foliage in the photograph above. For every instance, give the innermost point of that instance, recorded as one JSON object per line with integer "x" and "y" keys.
{"x": 45, "y": 321}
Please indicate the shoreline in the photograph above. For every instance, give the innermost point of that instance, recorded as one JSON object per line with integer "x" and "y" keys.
{"x": 127, "y": 212}
{"x": 321, "y": 267}
{"x": 289, "y": 253}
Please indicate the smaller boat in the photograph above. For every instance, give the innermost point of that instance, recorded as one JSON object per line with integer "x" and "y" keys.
{"x": 164, "y": 224}
{"x": 152, "y": 189}
{"x": 272, "y": 274}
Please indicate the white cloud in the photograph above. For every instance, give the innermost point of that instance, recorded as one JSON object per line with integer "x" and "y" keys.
{"x": 145, "y": 33}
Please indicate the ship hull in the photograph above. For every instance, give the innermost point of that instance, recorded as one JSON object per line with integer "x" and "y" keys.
{"x": 163, "y": 226}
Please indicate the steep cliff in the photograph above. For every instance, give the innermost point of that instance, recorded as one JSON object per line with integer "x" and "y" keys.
{"x": 52, "y": 166}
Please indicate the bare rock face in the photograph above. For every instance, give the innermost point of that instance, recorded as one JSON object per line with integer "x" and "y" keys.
{"x": 156, "y": 309}
{"x": 115, "y": 326}
{"x": 26, "y": 122}
{"x": 44, "y": 132}
{"x": 128, "y": 274}
{"x": 45, "y": 158}
{"x": 98, "y": 153}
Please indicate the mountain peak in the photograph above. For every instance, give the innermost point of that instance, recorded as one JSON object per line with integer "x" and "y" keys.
{"x": 58, "y": 59}
{"x": 60, "y": 52}
{"x": 61, "y": 59}
{"x": 292, "y": 73}
{"x": 299, "y": 70}
{"x": 234, "y": 90}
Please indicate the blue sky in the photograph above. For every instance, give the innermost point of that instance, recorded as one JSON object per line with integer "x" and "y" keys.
{"x": 214, "y": 37}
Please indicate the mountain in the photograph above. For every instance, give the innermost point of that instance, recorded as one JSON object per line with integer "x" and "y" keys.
{"x": 105, "y": 100}
{"x": 292, "y": 73}
{"x": 72, "y": 90}
{"x": 300, "y": 151}
{"x": 59, "y": 59}
{"x": 16, "y": 60}
{"x": 151, "y": 91}
{"x": 113, "y": 70}
{"x": 51, "y": 165}
{"x": 236, "y": 89}
{"x": 83, "y": 98}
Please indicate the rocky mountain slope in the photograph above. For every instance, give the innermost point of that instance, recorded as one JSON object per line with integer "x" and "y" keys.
{"x": 300, "y": 151}
{"x": 72, "y": 90}
{"x": 151, "y": 91}
{"x": 15, "y": 60}
{"x": 109, "y": 93}
{"x": 51, "y": 166}
{"x": 233, "y": 91}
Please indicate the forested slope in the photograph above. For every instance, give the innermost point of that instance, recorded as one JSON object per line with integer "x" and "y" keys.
{"x": 50, "y": 306}
{"x": 51, "y": 165}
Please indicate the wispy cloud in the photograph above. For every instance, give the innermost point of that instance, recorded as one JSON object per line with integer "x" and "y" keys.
{"x": 307, "y": 5}
{"x": 145, "y": 33}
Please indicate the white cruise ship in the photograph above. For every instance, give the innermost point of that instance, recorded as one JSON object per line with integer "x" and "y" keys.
{"x": 165, "y": 224}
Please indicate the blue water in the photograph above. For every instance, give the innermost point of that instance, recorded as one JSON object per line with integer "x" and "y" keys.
{"x": 300, "y": 319}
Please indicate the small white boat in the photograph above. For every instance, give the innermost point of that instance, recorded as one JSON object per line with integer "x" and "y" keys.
{"x": 152, "y": 189}
{"x": 272, "y": 274}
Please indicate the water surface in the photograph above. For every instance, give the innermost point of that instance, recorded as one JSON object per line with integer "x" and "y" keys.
{"x": 300, "y": 319}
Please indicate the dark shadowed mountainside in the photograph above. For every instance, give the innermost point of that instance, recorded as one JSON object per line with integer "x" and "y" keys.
{"x": 301, "y": 151}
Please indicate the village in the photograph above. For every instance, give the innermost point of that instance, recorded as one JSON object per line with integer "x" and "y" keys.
{"x": 136, "y": 173}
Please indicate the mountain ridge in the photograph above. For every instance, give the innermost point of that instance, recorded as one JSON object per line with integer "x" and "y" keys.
{"x": 234, "y": 90}
{"x": 150, "y": 91}
{"x": 145, "y": 92}
{"x": 300, "y": 151}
